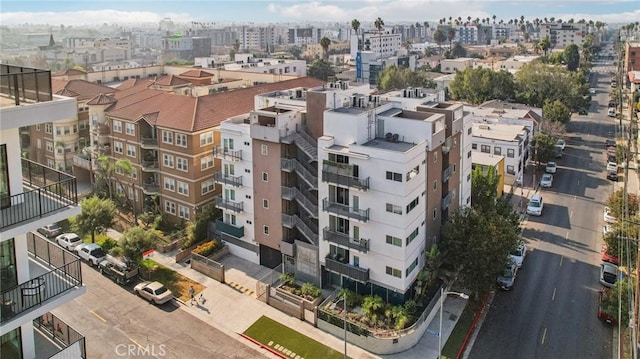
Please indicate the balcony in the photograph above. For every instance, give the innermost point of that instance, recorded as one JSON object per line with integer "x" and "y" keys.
{"x": 290, "y": 193}
{"x": 305, "y": 227}
{"x": 289, "y": 164}
{"x": 331, "y": 235}
{"x": 55, "y": 338}
{"x": 227, "y": 154}
{"x": 446, "y": 201}
{"x": 82, "y": 162}
{"x": 345, "y": 211}
{"x": 341, "y": 174}
{"x": 150, "y": 188}
{"x": 220, "y": 177}
{"x": 229, "y": 229}
{"x": 150, "y": 166}
{"x": 22, "y": 85}
{"x": 334, "y": 264}
{"x": 46, "y": 191}
{"x": 148, "y": 143}
{"x": 446, "y": 174}
{"x": 100, "y": 129}
{"x": 228, "y": 204}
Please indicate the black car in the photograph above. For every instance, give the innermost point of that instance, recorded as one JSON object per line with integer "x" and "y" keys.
{"x": 610, "y": 143}
{"x": 612, "y": 175}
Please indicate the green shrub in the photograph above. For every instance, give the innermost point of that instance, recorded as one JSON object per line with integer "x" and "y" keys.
{"x": 353, "y": 299}
{"x": 287, "y": 279}
{"x": 309, "y": 289}
{"x": 207, "y": 248}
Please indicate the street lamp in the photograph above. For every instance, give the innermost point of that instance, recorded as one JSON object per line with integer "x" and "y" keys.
{"x": 442, "y": 295}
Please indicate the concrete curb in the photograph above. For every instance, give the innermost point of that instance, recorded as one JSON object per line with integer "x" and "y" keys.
{"x": 482, "y": 311}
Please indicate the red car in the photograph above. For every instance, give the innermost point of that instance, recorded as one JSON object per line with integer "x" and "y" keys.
{"x": 608, "y": 257}
{"x": 602, "y": 315}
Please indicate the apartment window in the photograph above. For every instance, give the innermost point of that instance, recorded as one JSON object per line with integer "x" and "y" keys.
{"x": 412, "y": 205}
{"x": 39, "y": 143}
{"x": 58, "y": 130}
{"x": 169, "y": 184}
{"x": 131, "y": 151}
{"x": 485, "y": 148}
{"x": 230, "y": 219}
{"x": 511, "y": 170}
{"x": 181, "y": 164}
{"x": 511, "y": 153}
{"x": 84, "y": 124}
{"x": 207, "y": 186}
{"x": 469, "y": 131}
{"x": 474, "y": 146}
{"x": 183, "y": 212}
{"x": 412, "y": 266}
{"x": 265, "y": 230}
{"x": 48, "y": 128}
{"x": 435, "y": 185}
{"x": 265, "y": 177}
{"x": 265, "y": 203}
{"x": 435, "y": 214}
{"x": 394, "y": 241}
{"x": 183, "y": 188}
{"x": 169, "y": 207}
{"x": 412, "y": 236}
{"x": 130, "y": 129}
{"x": 264, "y": 150}
{"x": 117, "y": 147}
{"x": 435, "y": 157}
{"x": 134, "y": 174}
{"x": 67, "y": 130}
{"x": 49, "y": 146}
{"x": 38, "y": 127}
{"x": 394, "y": 272}
{"x": 117, "y": 126}
{"x": 167, "y": 160}
{"x": 206, "y": 162}
{"x": 181, "y": 140}
{"x": 414, "y": 172}
{"x": 497, "y": 151}
{"x": 206, "y": 138}
{"x": 119, "y": 170}
{"x": 469, "y": 154}
{"x": 394, "y": 209}
{"x": 394, "y": 176}
{"x": 167, "y": 137}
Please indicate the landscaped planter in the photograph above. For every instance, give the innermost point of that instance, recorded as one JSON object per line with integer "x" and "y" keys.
{"x": 308, "y": 304}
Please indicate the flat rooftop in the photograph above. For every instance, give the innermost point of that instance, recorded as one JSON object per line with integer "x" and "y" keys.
{"x": 485, "y": 159}
{"x": 383, "y": 144}
{"x": 498, "y": 131}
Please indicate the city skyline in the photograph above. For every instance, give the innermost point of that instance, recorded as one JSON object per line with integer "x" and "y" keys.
{"x": 82, "y": 12}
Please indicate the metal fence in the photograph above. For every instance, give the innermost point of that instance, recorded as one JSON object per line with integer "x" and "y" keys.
{"x": 24, "y": 84}
{"x": 61, "y": 333}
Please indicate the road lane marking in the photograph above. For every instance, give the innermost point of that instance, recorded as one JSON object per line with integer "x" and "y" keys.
{"x": 553, "y": 297}
{"x": 544, "y": 335}
{"x": 136, "y": 343}
{"x": 98, "y": 316}
{"x": 561, "y": 258}
{"x": 571, "y": 215}
{"x": 566, "y": 236}
{"x": 578, "y": 183}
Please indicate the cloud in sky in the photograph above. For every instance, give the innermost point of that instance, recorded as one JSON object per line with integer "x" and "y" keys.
{"x": 89, "y": 17}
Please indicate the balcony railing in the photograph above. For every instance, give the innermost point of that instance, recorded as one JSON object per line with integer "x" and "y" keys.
{"x": 345, "y": 240}
{"x": 101, "y": 129}
{"x": 353, "y": 272}
{"x": 290, "y": 193}
{"x": 59, "y": 332}
{"x": 286, "y": 164}
{"x": 309, "y": 230}
{"x": 23, "y": 84}
{"x": 446, "y": 201}
{"x": 47, "y": 191}
{"x": 446, "y": 174}
{"x": 221, "y": 177}
{"x": 150, "y": 188}
{"x": 228, "y": 204}
{"x": 150, "y": 166}
{"x": 227, "y": 154}
{"x": 81, "y": 162}
{"x": 229, "y": 229}
{"x": 148, "y": 142}
{"x": 342, "y": 174}
{"x": 344, "y": 210}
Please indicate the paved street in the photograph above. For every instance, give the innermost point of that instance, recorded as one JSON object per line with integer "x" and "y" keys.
{"x": 551, "y": 313}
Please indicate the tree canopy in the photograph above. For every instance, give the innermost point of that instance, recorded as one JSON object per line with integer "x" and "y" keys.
{"x": 556, "y": 111}
{"x": 136, "y": 240}
{"x": 96, "y": 213}
{"x": 621, "y": 208}
{"x": 481, "y": 84}
{"x": 543, "y": 147}
{"x": 394, "y": 78}
{"x": 572, "y": 57}
{"x": 537, "y": 82}
{"x": 321, "y": 69}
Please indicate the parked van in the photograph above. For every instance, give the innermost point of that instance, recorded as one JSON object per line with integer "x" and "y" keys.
{"x": 119, "y": 269}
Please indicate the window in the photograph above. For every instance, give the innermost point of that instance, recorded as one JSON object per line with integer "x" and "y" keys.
{"x": 485, "y": 148}
{"x": 394, "y": 209}
{"x": 181, "y": 164}
{"x": 183, "y": 188}
{"x": 181, "y": 140}
{"x": 183, "y": 212}
{"x": 39, "y": 142}
{"x": 131, "y": 150}
{"x": 38, "y": 127}
{"x": 265, "y": 203}
{"x": 435, "y": 185}
{"x": 49, "y": 146}
{"x": 84, "y": 124}
{"x": 208, "y": 186}
{"x": 58, "y": 130}
{"x": 511, "y": 170}
{"x": 511, "y": 153}
{"x": 265, "y": 177}
{"x": 117, "y": 126}
{"x": 435, "y": 157}
{"x": 435, "y": 214}
{"x": 167, "y": 160}
{"x": 469, "y": 154}
{"x": 130, "y": 129}
{"x": 394, "y": 241}
{"x": 412, "y": 266}
{"x": 206, "y": 162}
{"x": 167, "y": 137}
{"x": 206, "y": 138}
{"x": 117, "y": 147}
{"x": 169, "y": 184}
{"x": 474, "y": 146}
{"x": 264, "y": 150}
{"x": 469, "y": 131}
{"x": 394, "y": 272}
{"x": 412, "y": 236}
{"x": 265, "y": 230}
{"x": 497, "y": 151}
{"x": 48, "y": 128}
{"x": 227, "y": 143}
{"x": 412, "y": 205}
{"x": 393, "y": 176}
{"x": 414, "y": 172}
{"x": 169, "y": 207}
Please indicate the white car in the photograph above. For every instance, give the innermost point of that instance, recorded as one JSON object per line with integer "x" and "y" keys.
{"x": 517, "y": 256}
{"x": 612, "y": 166}
{"x": 561, "y": 144}
{"x": 551, "y": 167}
{"x": 91, "y": 252}
{"x": 535, "y": 205}
{"x": 546, "y": 181}
{"x": 608, "y": 217}
{"x": 592, "y": 91}
{"x": 154, "y": 292}
{"x": 68, "y": 241}
{"x": 608, "y": 274}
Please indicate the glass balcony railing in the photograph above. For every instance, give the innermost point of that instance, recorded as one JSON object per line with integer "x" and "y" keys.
{"x": 344, "y": 210}
{"x": 359, "y": 244}
{"x": 229, "y": 229}
{"x": 335, "y": 264}
{"x": 342, "y": 174}
{"x": 223, "y": 203}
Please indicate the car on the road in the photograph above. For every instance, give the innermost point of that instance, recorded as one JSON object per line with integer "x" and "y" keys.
{"x": 558, "y": 151}
{"x": 154, "y": 292}
{"x": 507, "y": 278}
{"x": 608, "y": 257}
{"x": 535, "y": 205}
{"x": 610, "y": 142}
{"x": 120, "y": 270}
{"x": 68, "y": 241}
{"x": 608, "y": 217}
{"x": 612, "y": 166}
{"x": 612, "y": 175}
{"x": 91, "y": 252}
{"x": 518, "y": 255}
{"x": 50, "y": 230}
{"x": 561, "y": 143}
{"x": 551, "y": 167}
{"x": 592, "y": 91}
{"x": 608, "y": 274}
{"x": 611, "y": 112}
{"x": 546, "y": 181}
{"x": 602, "y": 315}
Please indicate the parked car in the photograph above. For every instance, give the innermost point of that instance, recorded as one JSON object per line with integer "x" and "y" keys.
{"x": 592, "y": 91}
{"x": 68, "y": 241}
{"x": 611, "y": 157}
{"x": 610, "y": 143}
{"x": 612, "y": 166}
{"x": 611, "y": 112}
{"x": 612, "y": 175}
{"x": 535, "y": 205}
{"x": 546, "y": 181}
{"x": 608, "y": 217}
{"x": 508, "y": 277}
{"x": 558, "y": 151}
{"x": 50, "y": 230}
{"x": 120, "y": 270}
{"x": 551, "y": 167}
{"x": 154, "y": 292}
{"x": 91, "y": 252}
{"x": 607, "y": 257}
{"x": 601, "y": 314}
{"x": 518, "y": 255}
{"x": 560, "y": 143}
{"x": 608, "y": 274}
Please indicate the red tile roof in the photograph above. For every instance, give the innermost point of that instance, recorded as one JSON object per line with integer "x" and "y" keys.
{"x": 196, "y": 73}
{"x": 170, "y": 80}
{"x": 127, "y": 84}
{"x": 69, "y": 72}
{"x": 102, "y": 99}
{"x": 78, "y": 88}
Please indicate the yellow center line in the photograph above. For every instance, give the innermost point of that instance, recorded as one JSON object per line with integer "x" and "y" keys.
{"x": 138, "y": 344}
{"x": 553, "y": 297}
{"x": 544, "y": 335}
{"x": 98, "y": 316}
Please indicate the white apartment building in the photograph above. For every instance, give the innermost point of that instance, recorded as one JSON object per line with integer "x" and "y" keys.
{"x": 247, "y": 63}
{"x": 451, "y": 66}
{"x": 513, "y": 64}
{"x": 384, "y": 43}
{"x": 36, "y": 276}
{"x": 466, "y": 160}
{"x": 530, "y": 117}
{"x": 563, "y": 34}
{"x": 505, "y": 140}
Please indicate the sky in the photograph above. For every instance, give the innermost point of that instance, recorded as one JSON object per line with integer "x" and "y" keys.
{"x": 95, "y": 12}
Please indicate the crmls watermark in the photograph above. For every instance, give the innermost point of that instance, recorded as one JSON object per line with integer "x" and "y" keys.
{"x": 132, "y": 350}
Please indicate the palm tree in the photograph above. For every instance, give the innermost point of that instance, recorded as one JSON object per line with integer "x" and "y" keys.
{"x": 451, "y": 34}
{"x": 379, "y": 24}
{"x": 325, "y": 42}
{"x": 545, "y": 44}
{"x": 355, "y": 25}
{"x": 439, "y": 37}
{"x": 407, "y": 45}
{"x": 494, "y": 18}
{"x": 536, "y": 46}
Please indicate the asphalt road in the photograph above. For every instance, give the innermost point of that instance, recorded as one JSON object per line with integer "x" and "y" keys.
{"x": 118, "y": 324}
{"x": 551, "y": 312}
